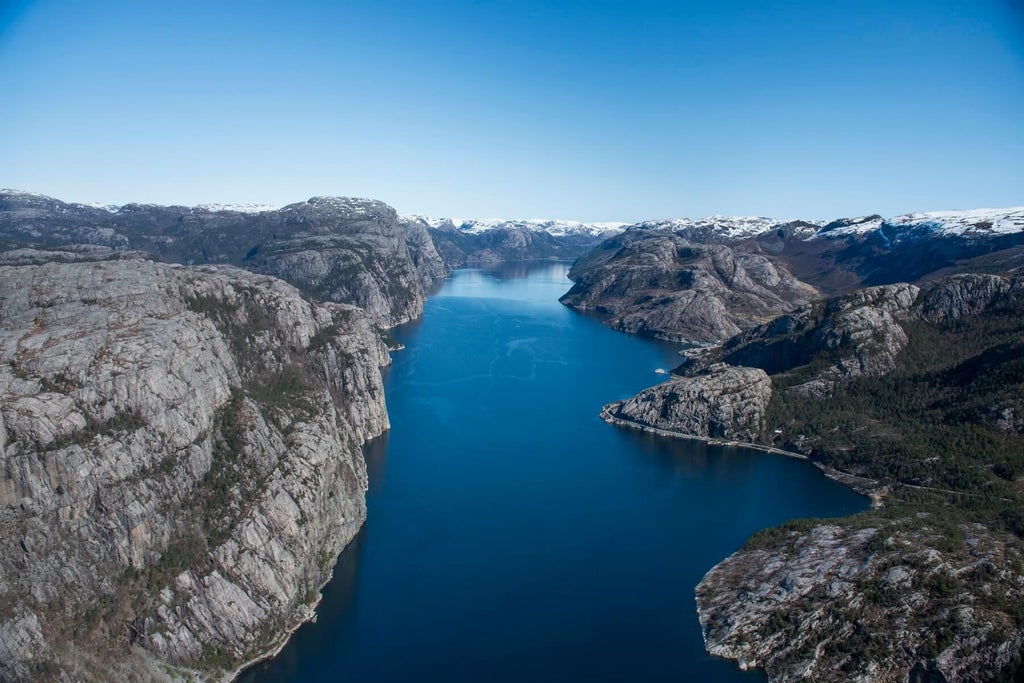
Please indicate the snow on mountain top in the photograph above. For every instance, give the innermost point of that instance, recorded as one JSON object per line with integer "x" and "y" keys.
{"x": 23, "y": 193}
{"x": 428, "y": 221}
{"x": 237, "y": 208}
{"x": 112, "y": 208}
{"x": 850, "y": 226}
{"x": 725, "y": 227}
{"x": 970, "y": 222}
{"x": 476, "y": 226}
{"x": 974, "y": 222}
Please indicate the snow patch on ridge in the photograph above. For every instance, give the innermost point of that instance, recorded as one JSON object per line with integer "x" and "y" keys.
{"x": 966, "y": 223}
{"x": 237, "y": 208}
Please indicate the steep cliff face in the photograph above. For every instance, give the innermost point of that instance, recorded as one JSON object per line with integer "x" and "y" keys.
{"x": 430, "y": 263}
{"x": 180, "y": 464}
{"x": 332, "y": 248}
{"x": 664, "y": 285}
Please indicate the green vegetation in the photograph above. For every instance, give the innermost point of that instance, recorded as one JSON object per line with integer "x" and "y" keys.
{"x": 119, "y": 423}
{"x": 773, "y": 536}
{"x": 231, "y": 480}
{"x": 932, "y": 421}
{"x": 321, "y": 339}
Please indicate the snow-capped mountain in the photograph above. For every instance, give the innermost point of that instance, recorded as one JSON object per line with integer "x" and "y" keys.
{"x": 237, "y": 208}
{"x": 707, "y": 279}
{"x": 34, "y": 197}
{"x": 726, "y": 228}
{"x": 850, "y": 227}
{"x": 477, "y": 226}
{"x": 973, "y": 223}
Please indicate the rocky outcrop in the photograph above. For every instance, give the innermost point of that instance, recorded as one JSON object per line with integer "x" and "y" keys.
{"x": 962, "y": 296}
{"x": 720, "y": 402}
{"x": 667, "y": 286}
{"x": 888, "y": 602}
{"x": 857, "y": 334}
{"x": 724, "y": 391}
{"x": 179, "y": 464}
{"x": 854, "y": 335}
{"x": 332, "y": 248}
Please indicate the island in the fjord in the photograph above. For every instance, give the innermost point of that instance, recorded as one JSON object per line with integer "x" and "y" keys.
{"x": 186, "y": 390}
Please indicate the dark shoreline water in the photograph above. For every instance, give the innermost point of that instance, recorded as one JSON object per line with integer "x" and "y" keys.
{"x": 512, "y": 535}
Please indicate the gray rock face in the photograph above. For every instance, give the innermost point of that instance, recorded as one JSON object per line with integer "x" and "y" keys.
{"x": 721, "y": 402}
{"x": 962, "y": 296}
{"x": 429, "y": 262}
{"x": 664, "y": 285}
{"x": 841, "y": 603}
{"x": 856, "y": 334}
{"x": 180, "y": 464}
{"x": 332, "y": 248}
{"x": 724, "y": 392}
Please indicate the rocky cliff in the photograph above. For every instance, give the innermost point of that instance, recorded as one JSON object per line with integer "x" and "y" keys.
{"x": 180, "y": 463}
{"x": 332, "y": 248}
{"x": 666, "y": 285}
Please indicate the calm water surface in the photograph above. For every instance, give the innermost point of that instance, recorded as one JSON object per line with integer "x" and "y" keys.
{"x": 514, "y": 536}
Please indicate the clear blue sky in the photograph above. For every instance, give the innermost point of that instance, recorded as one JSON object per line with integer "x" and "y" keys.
{"x": 592, "y": 109}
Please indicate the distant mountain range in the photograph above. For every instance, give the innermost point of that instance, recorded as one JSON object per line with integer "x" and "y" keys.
{"x": 558, "y": 228}
{"x": 979, "y": 222}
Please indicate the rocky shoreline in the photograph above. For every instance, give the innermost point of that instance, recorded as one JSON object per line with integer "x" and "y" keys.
{"x": 607, "y": 415}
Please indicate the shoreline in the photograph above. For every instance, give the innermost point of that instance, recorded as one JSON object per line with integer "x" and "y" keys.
{"x": 308, "y": 615}
{"x": 631, "y": 424}
{"x": 869, "y": 488}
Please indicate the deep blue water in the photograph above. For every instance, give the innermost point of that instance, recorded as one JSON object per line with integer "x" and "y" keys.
{"x": 514, "y": 536}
